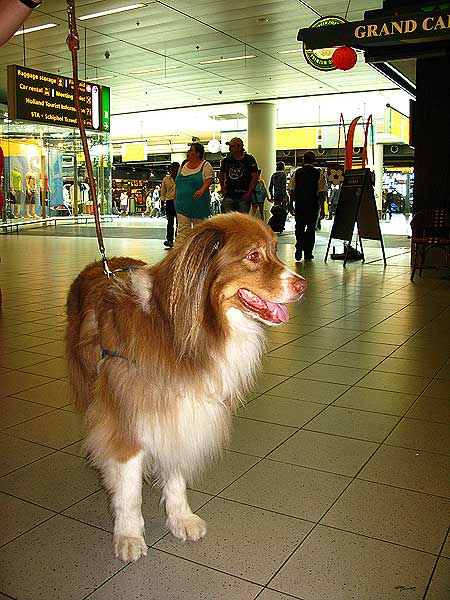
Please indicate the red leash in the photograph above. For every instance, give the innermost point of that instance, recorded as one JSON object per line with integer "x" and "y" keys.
{"x": 73, "y": 42}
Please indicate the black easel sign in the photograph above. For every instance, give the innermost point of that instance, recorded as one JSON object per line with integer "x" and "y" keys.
{"x": 356, "y": 205}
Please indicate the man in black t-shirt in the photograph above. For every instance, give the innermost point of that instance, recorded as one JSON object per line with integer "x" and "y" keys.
{"x": 238, "y": 177}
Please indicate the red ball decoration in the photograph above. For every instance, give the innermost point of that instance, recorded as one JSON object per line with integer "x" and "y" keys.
{"x": 344, "y": 58}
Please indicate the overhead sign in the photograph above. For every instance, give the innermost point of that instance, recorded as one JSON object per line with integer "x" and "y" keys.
{"x": 47, "y": 98}
{"x": 417, "y": 27}
{"x": 321, "y": 58}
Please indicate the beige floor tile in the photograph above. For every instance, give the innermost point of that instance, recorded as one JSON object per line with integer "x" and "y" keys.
{"x": 153, "y": 579}
{"x": 440, "y": 583}
{"x": 15, "y": 453}
{"x": 434, "y": 356}
{"x": 55, "y": 429}
{"x": 22, "y": 342}
{"x": 287, "y": 489}
{"x": 326, "y": 563}
{"x": 12, "y": 382}
{"x": 391, "y": 514}
{"x": 55, "y": 348}
{"x": 421, "y": 435}
{"x": 94, "y": 510}
{"x": 54, "y": 482}
{"x": 383, "y": 338}
{"x": 17, "y": 517}
{"x": 294, "y": 327}
{"x": 283, "y": 366}
{"x": 344, "y": 456}
{"x": 54, "y": 333}
{"x": 242, "y": 541}
{"x": 23, "y": 329}
{"x": 320, "y": 342}
{"x": 20, "y": 359}
{"x": 220, "y": 474}
{"x": 351, "y": 359}
{"x": 380, "y": 401}
{"x": 298, "y": 353}
{"x": 369, "y": 348}
{"x": 394, "y": 382}
{"x": 283, "y": 411}
{"x": 309, "y": 391}
{"x": 55, "y": 393}
{"x": 77, "y": 559}
{"x": 14, "y": 411}
{"x": 438, "y": 388}
{"x": 265, "y": 382}
{"x": 77, "y": 449}
{"x": 446, "y": 549}
{"x": 272, "y": 595}
{"x": 281, "y": 337}
{"x": 55, "y": 368}
{"x": 373, "y": 427}
{"x": 419, "y": 471}
{"x": 407, "y": 367}
{"x": 257, "y": 438}
{"x": 332, "y": 374}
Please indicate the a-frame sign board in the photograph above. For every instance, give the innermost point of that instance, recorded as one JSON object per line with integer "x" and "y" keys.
{"x": 356, "y": 205}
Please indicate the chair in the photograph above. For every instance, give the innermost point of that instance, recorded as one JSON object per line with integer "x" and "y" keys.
{"x": 430, "y": 229}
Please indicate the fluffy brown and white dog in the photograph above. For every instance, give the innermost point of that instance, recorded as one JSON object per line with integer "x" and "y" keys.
{"x": 159, "y": 356}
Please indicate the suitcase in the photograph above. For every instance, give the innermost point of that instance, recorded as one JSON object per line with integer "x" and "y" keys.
{"x": 277, "y": 221}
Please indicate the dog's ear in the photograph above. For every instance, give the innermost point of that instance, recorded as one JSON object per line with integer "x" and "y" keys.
{"x": 193, "y": 267}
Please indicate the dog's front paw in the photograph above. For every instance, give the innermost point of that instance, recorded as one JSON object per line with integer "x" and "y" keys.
{"x": 189, "y": 527}
{"x": 129, "y": 549}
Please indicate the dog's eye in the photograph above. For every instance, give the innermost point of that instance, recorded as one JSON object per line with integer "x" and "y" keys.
{"x": 253, "y": 256}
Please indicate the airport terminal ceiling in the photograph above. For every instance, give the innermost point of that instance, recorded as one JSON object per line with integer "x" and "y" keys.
{"x": 170, "y": 54}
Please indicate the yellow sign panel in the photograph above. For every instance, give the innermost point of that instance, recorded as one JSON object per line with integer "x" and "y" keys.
{"x": 28, "y": 148}
{"x": 289, "y": 139}
{"x": 134, "y": 152}
{"x": 397, "y": 124}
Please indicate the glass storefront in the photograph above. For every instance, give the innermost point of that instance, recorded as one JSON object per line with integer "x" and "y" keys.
{"x": 45, "y": 171}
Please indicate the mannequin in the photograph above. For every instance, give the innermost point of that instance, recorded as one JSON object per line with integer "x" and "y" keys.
{"x": 16, "y": 187}
{"x": 30, "y": 197}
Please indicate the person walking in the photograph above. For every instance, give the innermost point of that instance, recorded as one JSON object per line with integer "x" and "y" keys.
{"x": 308, "y": 193}
{"x": 238, "y": 177}
{"x": 259, "y": 196}
{"x": 277, "y": 185}
{"x": 167, "y": 195}
{"x": 192, "y": 198}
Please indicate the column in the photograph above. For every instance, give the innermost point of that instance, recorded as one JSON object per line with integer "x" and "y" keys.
{"x": 262, "y": 123}
{"x": 378, "y": 168}
{"x": 431, "y": 132}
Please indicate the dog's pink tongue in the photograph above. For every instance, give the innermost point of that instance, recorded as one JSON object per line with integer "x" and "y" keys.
{"x": 279, "y": 310}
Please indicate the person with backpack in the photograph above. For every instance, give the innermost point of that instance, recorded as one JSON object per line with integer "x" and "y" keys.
{"x": 259, "y": 196}
{"x": 277, "y": 185}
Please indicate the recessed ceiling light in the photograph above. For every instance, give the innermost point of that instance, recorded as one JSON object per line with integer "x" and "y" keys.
{"x": 103, "y": 77}
{"x": 153, "y": 70}
{"x": 111, "y": 11}
{"x": 37, "y": 28}
{"x": 288, "y": 51}
{"x": 220, "y": 60}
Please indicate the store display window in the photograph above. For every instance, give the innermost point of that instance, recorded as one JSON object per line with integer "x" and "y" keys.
{"x": 45, "y": 171}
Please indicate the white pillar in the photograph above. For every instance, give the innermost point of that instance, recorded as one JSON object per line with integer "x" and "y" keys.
{"x": 378, "y": 167}
{"x": 262, "y": 123}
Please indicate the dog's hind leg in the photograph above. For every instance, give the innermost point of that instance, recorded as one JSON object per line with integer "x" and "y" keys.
{"x": 181, "y": 521}
{"x": 124, "y": 481}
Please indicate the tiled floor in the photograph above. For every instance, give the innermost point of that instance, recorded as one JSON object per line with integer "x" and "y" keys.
{"x": 335, "y": 483}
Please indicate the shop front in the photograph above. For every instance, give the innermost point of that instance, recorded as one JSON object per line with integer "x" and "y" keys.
{"x": 45, "y": 172}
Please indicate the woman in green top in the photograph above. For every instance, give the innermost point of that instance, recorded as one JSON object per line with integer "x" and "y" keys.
{"x": 192, "y": 200}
